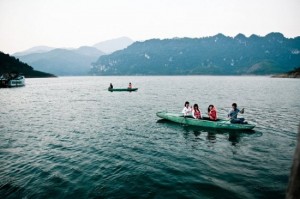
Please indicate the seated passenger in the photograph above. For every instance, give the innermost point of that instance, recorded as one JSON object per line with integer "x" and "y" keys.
{"x": 212, "y": 112}
{"x": 111, "y": 86}
{"x": 187, "y": 109}
{"x": 233, "y": 115}
{"x": 130, "y": 85}
{"x": 196, "y": 112}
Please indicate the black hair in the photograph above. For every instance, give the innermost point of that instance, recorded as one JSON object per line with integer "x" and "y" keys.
{"x": 186, "y": 103}
{"x": 234, "y": 104}
{"x": 196, "y": 106}
{"x": 209, "y": 106}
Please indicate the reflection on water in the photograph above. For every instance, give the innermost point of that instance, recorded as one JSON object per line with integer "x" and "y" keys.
{"x": 69, "y": 137}
{"x": 211, "y": 137}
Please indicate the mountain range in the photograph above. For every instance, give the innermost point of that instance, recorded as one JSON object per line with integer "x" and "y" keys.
{"x": 63, "y": 62}
{"x": 36, "y": 49}
{"x": 113, "y": 45}
{"x": 215, "y": 55}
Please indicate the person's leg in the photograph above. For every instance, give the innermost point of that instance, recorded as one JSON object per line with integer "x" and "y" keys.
{"x": 242, "y": 121}
{"x": 238, "y": 121}
{"x": 235, "y": 121}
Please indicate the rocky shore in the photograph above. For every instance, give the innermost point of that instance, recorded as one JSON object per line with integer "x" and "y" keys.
{"x": 292, "y": 74}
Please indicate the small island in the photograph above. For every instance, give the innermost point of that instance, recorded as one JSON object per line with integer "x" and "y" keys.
{"x": 291, "y": 74}
{"x": 9, "y": 64}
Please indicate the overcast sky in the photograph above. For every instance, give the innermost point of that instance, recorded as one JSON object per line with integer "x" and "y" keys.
{"x": 73, "y": 23}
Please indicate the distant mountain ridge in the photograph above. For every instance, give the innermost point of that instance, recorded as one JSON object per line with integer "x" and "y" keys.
{"x": 64, "y": 61}
{"x": 215, "y": 55}
{"x": 36, "y": 49}
{"x": 10, "y": 64}
{"x": 113, "y": 45}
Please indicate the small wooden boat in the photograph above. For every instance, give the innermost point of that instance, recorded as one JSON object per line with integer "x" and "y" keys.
{"x": 12, "y": 80}
{"x": 122, "y": 89}
{"x": 205, "y": 122}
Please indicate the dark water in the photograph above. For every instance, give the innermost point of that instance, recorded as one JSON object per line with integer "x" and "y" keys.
{"x": 71, "y": 138}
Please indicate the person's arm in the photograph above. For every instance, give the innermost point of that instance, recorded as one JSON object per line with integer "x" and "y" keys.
{"x": 193, "y": 114}
{"x": 215, "y": 115}
{"x": 230, "y": 114}
{"x": 184, "y": 110}
{"x": 242, "y": 111}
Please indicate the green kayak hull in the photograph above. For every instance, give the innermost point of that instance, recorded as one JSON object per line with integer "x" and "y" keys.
{"x": 122, "y": 89}
{"x": 219, "y": 124}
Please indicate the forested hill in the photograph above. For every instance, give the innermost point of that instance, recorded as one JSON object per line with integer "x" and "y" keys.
{"x": 11, "y": 64}
{"x": 216, "y": 55}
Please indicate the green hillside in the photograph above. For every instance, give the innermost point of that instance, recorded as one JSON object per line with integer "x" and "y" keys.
{"x": 216, "y": 55}
{"x": 11, "y": 64}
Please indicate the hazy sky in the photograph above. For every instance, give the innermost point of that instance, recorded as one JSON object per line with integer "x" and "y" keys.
{"x": 73, "y": 23}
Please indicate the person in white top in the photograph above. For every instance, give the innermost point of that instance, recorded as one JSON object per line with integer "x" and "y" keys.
{"x": 187, "y": 110}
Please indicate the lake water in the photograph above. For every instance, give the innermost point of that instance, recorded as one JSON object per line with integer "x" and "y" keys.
{"x": 69, "y": 137}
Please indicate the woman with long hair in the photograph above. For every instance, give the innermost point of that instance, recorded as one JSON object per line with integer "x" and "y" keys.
{"x": 212, "y": 112}
{"x": 196, "y": 112}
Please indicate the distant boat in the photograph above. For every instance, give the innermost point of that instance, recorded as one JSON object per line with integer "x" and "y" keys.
{"x": 205, "y": 122}
{"x": 10, "y": 80}
{"x": 122, "y": 89}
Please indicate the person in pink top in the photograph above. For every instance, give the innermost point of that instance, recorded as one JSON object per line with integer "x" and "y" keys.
{"x": 212, "y": 112}
{"x": 196, "y": 112}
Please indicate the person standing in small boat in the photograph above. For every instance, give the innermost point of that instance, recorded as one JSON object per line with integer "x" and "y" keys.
{"x": 130, "y": 85}
{"x": 111, "y": 86}
{"x": 187, "y": 110}
{"x": 196, "y": 112}
{"x": 212, "y": 112}
{"x": 233, "y": 115}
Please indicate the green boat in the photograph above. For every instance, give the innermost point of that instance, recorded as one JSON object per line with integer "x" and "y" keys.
{"x": 122, "y": 89}
{"x": 205, "y": 122}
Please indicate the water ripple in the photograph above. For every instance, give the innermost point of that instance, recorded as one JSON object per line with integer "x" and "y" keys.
{"x": 76, "y": 140}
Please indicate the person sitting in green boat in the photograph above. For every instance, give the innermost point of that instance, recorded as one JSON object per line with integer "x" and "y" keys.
{"x": 130, "y": 85}
{"x": 111, "y": 86}
{"x": 212, "y": 112}
{"x": 233, "y": 115}
{"x": 187, "y": 110}
{"x": 196, "y": 112}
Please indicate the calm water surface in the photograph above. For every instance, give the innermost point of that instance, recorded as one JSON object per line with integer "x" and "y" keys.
{"x": 69, "y": 137}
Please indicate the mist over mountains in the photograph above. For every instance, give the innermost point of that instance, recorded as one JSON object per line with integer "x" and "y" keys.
{"x": 67, "y": 62}
{"x": 36, "y": 49}
{"x": 113, "y": 45}
{"x": 215, "y": 55}
{"x": 62, "y": 61}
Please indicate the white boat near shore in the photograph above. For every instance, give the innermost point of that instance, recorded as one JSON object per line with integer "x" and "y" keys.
{"x": 12, "y": 80}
